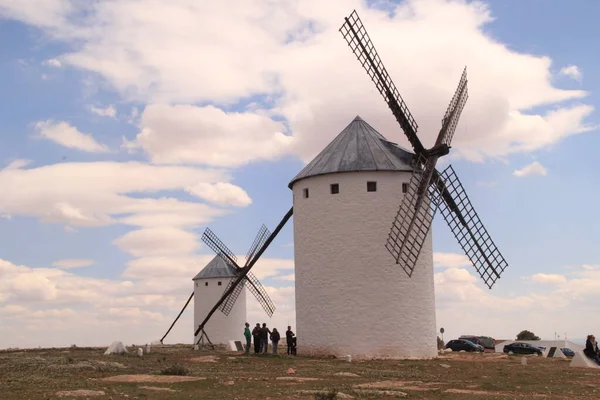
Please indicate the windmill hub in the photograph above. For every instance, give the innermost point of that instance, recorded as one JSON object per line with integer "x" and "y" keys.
{"x": 439, "y": 150}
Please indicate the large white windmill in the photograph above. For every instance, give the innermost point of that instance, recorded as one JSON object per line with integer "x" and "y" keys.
{"x": 350, "y": 234}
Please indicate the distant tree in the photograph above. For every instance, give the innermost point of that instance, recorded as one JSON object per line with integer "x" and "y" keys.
{"x": 440, "y": 343}
{"x": 527, "y": 335}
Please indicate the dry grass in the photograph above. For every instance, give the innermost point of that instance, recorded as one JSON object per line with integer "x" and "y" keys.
{"x": 87, "y": 373}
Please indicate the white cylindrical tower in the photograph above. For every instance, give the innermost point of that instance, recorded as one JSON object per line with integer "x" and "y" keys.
{"x": 209, "y": 286}
{"x": 351, "y": 296}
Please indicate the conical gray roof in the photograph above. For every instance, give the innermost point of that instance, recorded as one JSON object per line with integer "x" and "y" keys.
{"x": 216, "y": 268}
{"x": 358, "y": 147}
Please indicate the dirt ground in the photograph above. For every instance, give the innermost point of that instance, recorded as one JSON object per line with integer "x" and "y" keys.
{"x": 86, "y": 373}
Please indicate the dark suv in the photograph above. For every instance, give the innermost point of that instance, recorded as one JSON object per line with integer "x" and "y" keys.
{"x": 523, "y": 348}
{"x": 462, "y": 344}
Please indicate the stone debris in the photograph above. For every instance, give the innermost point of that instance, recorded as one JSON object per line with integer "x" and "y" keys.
{"x": 204, "y": 359}
{"x": 478, "y": 392}
{"x": 150, "y": 378}
{"x": 348, "y": 374}
{"x": 80, "y": 393}
{"x": 296, "y": 379}
{"x": 393, "y": 393}
{"x": 339, "y": 395}
{"x": 405, "y": 385}
{"x": 291, "y": 371}
{"x": 158, "y": 389}
{"x": 444, "y": 366}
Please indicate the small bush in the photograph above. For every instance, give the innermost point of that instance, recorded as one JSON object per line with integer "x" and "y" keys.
{"x": 331, "y": 395}
{"x": 175, "y": 370}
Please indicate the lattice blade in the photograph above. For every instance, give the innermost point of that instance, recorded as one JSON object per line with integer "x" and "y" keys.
{"x": 260, "y": 293}
{"x": 358, "y": 39}
{"x": 450, "y": 120}
{"x": 261, "y": 237}
{"x": 413, "y": 220}
{"x": 219, "y": 247}
{"x": 228, "y": 304}
{"x": 469, "y": 230}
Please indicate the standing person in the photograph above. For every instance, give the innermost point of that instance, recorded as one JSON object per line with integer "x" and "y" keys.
{"x": 591, "y": 349}
{"x": 275, "y": 336}
{"x": 264, "y": 338}
{"x": 256, "y": 336}
{"x": 288, "y": 338}
{"x": 248, "y": 337}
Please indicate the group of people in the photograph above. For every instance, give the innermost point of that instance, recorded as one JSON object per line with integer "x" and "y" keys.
{"x": 591, "y": 349}
{"x": 262, "y": 335}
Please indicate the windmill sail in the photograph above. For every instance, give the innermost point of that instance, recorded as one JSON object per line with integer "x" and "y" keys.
{"x": 250, "y": 281}
{"x": 450, "y": 119}
{"x": 358, "y": 39}
{"x": 413, "y": 221}
{"x": 470, "y": 232}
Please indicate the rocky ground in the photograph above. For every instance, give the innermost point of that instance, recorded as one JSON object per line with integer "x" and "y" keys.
{"x": 177, "y": 372}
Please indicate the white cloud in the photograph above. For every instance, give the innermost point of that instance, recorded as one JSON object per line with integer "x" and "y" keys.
{"x": 18, "y": 164}
{"x": 66, "y": 135}
{"x": 572, "y": 71}
{"x": 481, "y": 311}
{"x": 300, "y": 71}
{"x": 95, "y": 194}
{"x": 450, "y": 260}
{"x": 548, "y": 279}
{"x": 208, "y": 135}
{"x": 535, "y": 168}
{"x": 221, "y": 193}
{"x": 52, "y": 62}
{"x": 291, "y": 277}
{"x": 158, "y": 241}
{"x": 73, "y": 263}
{"x": 108, "y": 111}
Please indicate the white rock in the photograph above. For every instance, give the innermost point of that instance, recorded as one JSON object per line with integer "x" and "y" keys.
{"x": 116, "y": 348}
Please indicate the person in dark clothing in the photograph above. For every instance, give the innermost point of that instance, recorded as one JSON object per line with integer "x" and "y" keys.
{"x": 275, "y": 337}
{"x": 591, "y": 349}
{"x": 264, "y": 338}
{"x": 248, "y": 337}
{"x": 288, "y": 339}
{"x": 256, "y": 337}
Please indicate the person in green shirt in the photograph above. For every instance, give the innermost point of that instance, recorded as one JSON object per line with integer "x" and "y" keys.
{"x": 248, "y": 336}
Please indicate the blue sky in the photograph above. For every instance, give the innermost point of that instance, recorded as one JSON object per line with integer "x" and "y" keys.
{"x": 541, "y": 223}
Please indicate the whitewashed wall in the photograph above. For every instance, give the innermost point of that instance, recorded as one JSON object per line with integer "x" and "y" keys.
{"x": 351, "y": 297}
{"x": 220, "y": 328}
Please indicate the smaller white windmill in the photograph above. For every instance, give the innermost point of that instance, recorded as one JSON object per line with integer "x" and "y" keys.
{"x": 220, "y": 285}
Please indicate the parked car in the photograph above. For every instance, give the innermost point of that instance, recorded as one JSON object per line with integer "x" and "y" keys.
{"x": 461, "y": 344}
{"x": 567, "y": 352}
{"x": 523, "y": 348}
{"x": 488, "y": 343}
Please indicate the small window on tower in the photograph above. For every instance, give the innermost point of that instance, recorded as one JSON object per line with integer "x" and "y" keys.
{"x": 306, "y": 193}
{"x": 205, "y": 283}
{"x": 335, "y": 188}
{"x": 371, "y": 186}
{"x": 405, "y": 188}
{"x": 196, "y": 284}
{"x": 219, "y": 283}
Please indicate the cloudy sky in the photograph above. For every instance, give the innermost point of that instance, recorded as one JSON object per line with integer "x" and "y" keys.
{"x": 128, "y": 126}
